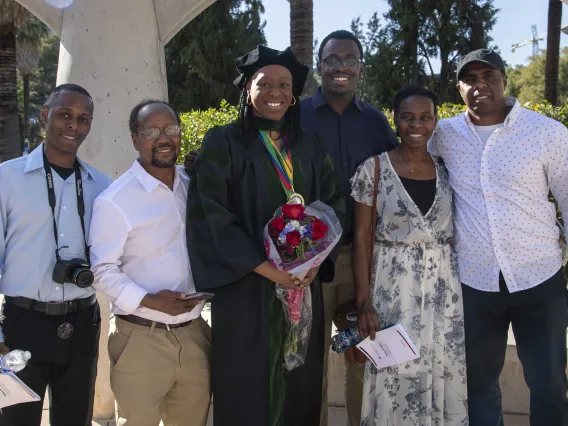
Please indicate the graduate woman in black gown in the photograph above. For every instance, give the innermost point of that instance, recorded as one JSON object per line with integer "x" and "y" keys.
{"x": 234, "y": 191}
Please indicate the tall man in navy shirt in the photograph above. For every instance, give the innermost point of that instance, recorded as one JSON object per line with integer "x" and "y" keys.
{"x": 352, "y": 131}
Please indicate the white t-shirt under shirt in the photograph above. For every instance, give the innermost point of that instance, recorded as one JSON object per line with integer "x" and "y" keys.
{"x": 485, "y": 132}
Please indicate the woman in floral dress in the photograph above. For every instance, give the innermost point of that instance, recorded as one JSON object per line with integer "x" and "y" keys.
{"x": 415, "y": 279}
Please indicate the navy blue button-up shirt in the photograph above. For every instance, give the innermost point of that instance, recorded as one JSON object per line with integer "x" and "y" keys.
{"x": 361, "y": 132}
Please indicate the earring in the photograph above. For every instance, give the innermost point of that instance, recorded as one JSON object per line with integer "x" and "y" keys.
{"x": 294, "y": 101}
{"x": 249, "y": 100}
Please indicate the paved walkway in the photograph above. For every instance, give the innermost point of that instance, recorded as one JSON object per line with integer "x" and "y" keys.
{"x": 336, "y": 413}
{"x": 336, "y": 418}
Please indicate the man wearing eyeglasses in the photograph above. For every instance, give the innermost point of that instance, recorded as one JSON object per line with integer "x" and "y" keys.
{"x": 351, "y": 131}
{"x": 159, "y": 345}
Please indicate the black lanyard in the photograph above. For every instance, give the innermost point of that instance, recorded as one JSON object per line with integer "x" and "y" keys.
{"x": 80, "y": 204}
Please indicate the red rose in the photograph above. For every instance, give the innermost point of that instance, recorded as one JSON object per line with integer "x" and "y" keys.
{"x": 289, "y": 250}
{"x": 292, "y": 211}
{"x": 275, "y": 226}
{"x": 293, "y": 238}
{"x": 319, "y": 229}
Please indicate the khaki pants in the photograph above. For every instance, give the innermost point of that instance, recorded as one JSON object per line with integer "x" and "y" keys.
{"x": 157, "y": 374}
{"x": 341, "y": 290}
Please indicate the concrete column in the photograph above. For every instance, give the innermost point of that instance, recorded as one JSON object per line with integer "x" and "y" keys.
{"x": 115, "y": 49}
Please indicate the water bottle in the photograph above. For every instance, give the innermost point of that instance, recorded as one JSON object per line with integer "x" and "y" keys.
{"x": 14, "y": 361}
{"x": 345, "y": 339}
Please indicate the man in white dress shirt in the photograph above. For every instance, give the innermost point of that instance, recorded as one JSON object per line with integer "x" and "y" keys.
{"x": 503, "y": 160}
{"x": 159, "y": 345}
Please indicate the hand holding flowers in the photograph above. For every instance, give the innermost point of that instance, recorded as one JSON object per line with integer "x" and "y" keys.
{"x": 297, "y": 240}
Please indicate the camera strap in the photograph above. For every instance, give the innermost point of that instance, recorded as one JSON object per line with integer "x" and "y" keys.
{"x": 80, "y": 204}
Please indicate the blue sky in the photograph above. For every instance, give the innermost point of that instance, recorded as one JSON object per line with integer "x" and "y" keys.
{"x": 513, "y": 25}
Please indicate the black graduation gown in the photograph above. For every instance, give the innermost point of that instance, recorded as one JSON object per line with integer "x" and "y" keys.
{"x": 234, "y": 191}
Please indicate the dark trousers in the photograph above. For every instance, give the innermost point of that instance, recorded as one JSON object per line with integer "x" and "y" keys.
{"x": 539, "y": 317}
{"x": 67, "y": 367}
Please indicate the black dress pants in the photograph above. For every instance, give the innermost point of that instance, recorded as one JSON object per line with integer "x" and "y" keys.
{"x": 67, "y": 367}
{"x": 539, "y": 318}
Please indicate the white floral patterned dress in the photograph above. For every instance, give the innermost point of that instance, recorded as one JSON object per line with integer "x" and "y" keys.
{"x": 415, "y": 283}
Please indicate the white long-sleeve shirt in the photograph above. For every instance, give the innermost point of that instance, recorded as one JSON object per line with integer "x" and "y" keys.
{"x": 503, "y": 218}
{"x": 138, "y": 243}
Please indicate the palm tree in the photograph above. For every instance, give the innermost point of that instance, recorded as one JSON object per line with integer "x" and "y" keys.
{"x": 28, "y": 47}
{"x": 11, "y": 15}
{"x": 552, "y": 51}
{"x": 302, "y": 36}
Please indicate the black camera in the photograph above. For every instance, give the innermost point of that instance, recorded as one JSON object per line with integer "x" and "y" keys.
{"x": 75, "y": 271}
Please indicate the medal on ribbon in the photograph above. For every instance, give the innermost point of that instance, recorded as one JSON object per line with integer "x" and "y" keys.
{"x": 282, "y": 162}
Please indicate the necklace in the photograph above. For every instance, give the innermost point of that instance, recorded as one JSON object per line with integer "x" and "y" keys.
{"x": 406, "y": 165}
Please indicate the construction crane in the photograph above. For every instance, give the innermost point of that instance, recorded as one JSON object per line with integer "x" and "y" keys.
{"x": 533, "y": 40}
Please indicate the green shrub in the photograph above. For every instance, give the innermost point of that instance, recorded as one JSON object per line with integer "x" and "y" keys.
{"x": 195, "y": 124}
{"x": 544, "y": 108}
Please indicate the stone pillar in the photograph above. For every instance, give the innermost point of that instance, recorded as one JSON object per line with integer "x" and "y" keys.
{"x": 115, "y": 49}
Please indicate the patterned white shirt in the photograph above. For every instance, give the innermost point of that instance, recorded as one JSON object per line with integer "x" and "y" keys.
{"x": 503, "y": 218}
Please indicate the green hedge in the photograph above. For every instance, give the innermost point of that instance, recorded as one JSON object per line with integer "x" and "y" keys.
{"x": 196, "y": 123}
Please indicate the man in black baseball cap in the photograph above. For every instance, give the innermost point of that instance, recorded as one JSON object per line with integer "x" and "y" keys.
{"x": 482, "y": 82}
{"x": 503, "y": 161}
{"x": 483, "y": 56}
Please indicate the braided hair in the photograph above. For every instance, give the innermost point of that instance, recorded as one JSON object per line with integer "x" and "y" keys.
{"x": 292, "y": 128}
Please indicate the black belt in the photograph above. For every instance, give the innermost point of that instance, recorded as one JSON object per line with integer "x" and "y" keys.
{"x": 52, "y": 308}
{"x": 148, "y": 323}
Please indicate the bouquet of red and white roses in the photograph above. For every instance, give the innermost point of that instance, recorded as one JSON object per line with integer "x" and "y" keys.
{"x": 296, "y": 240}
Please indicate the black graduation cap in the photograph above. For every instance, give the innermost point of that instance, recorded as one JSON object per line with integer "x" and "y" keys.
{"x": 262, "y": 56}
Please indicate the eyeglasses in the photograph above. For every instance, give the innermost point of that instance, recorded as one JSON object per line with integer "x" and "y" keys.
{"x": 154, "y": 133}
{"x": 334, "y": 62}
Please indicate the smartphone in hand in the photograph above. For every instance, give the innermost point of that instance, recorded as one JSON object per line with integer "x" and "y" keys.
{"x": 200, "y": 296}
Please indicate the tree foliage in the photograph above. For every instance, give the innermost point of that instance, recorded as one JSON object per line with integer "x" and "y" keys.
{"x": 29, "y": 36}
{"x": 11, "y": 15}
{"x": 42, "y": 82}
{"x": 200, "y": 59}
{"x": 195, "y": 124}
{"x": 401, "y": 50}
{"x": 526, "y": 82}
{"x": 451, "y": 29}
{"x": 28, "y": 45}
{"x": 381, "y": 78}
